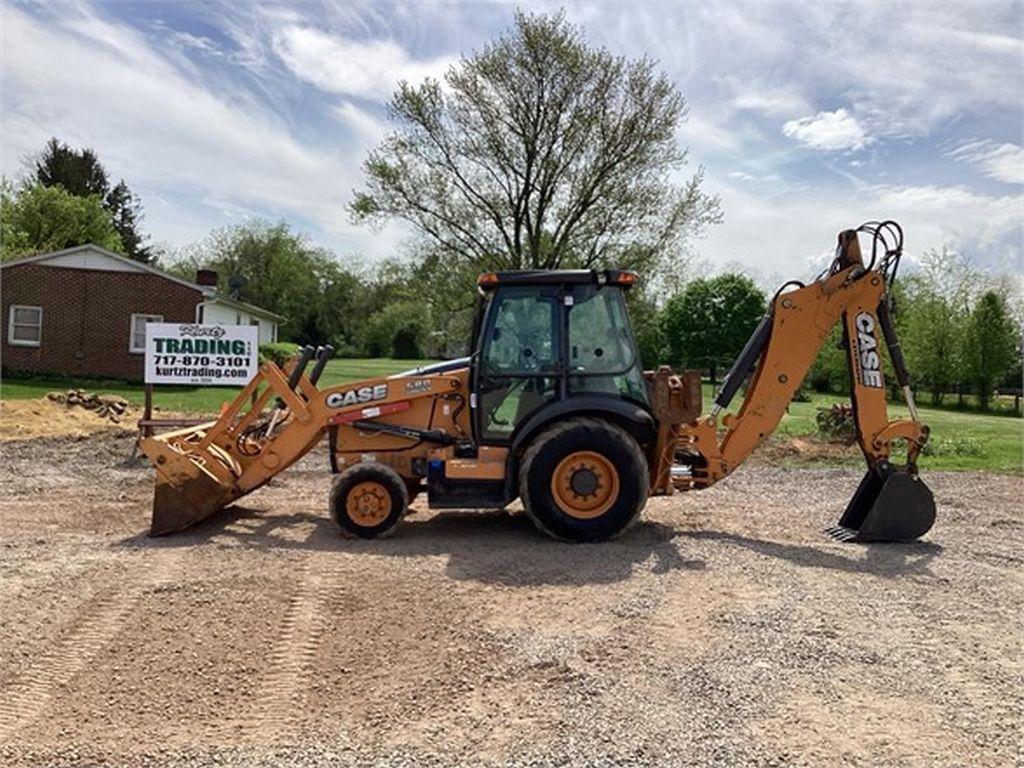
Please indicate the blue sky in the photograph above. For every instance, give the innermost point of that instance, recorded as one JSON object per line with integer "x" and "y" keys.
{"x": 807, "y": 117}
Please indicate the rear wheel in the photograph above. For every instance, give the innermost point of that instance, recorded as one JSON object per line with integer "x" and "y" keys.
{"x": 368, "y": 500}
{"x": 583, "y": 480}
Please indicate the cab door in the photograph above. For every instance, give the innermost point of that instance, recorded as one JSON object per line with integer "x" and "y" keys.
{"x": 520, "y": 359}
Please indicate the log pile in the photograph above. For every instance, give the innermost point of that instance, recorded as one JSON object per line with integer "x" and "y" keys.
{"x": 111, "y": 407}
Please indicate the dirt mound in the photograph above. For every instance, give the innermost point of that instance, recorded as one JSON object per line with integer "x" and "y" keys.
{"x": 23, "y": 419}
{"x": 804, "y": 450}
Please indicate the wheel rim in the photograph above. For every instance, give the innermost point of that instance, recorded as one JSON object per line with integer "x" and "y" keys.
{"x": 585, "y": 484}
{"x": 368, "y": 504}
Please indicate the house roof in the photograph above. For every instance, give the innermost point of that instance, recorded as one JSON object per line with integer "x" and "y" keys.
{"x": 208, "y": 292}
{"x": 252, "y": 309}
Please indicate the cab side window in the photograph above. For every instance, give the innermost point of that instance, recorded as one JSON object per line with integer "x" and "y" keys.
{"x": 599, "y": 336}
{"x": 602, "y": 353}
{"x": 522, "y": 338}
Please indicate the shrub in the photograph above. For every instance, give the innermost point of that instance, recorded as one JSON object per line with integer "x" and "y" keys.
{"x": 837, "y": 424}
{"x": 956, "y": 445}
{"x": 405, "y": 344}
{"x": 396, "y": 331}
{"x": 279, "y": 352}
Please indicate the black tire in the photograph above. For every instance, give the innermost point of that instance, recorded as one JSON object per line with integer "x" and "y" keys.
{"x": 391, "y": 493}
{"x": 562, "y": 441}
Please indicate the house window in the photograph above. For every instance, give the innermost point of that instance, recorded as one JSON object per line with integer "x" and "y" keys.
{"x": 25, "y": 326}
{"x": 137, "y": 344}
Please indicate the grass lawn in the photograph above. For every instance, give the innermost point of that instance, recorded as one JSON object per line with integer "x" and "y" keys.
{"x": 196, "y": 399}
{"x": 958, "y": 440}
{"x": 961, "y": 441}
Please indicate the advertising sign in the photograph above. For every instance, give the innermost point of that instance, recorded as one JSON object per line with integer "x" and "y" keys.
{"x": 206, "y": 355}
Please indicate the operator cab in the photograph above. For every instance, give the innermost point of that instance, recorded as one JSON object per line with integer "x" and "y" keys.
{"x": 541, "y": 337}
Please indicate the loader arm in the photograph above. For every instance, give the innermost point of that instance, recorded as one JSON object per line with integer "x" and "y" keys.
{"x": 271, "y": 424}
{"x": 781, "y": 352}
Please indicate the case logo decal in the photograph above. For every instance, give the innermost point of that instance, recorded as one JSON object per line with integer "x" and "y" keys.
{"x": 866, "y": 349}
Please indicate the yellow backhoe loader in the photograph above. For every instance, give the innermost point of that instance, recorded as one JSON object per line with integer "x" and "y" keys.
{"x": 552, "y": 407}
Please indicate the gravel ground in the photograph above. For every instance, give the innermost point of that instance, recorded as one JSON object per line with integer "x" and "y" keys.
{"x": 724, "y": 629}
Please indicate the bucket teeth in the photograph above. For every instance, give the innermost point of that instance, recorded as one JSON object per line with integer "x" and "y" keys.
{"x": 842, "y": 533}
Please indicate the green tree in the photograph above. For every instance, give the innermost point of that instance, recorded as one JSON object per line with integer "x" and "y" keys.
{"x": 933, "y": 307}
{"x": 643, "y": 313}
{"x": 80, "y": 172}
{"x": 830, "y": 371}
{"x": 36, "y": 218}
{"x": 126, "y": 212}
{"x": 540, "y": 152}
{"x": 707, "y": 324}
{"x": 281, "y": 271}
{"x": 991, "y": 345}
{"x": 398, "y": 330}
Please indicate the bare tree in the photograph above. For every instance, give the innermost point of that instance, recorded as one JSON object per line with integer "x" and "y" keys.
{"x": 541, "y": 152}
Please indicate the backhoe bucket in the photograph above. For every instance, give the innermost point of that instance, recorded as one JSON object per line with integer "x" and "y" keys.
{"x": 890, "y": 504}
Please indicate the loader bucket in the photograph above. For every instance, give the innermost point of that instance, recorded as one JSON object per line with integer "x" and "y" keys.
{"x": 266, "y": 428}
{"x": 186, "y": 491}
{"x": 890, "y": 504}
{"x": 176, "y": 507}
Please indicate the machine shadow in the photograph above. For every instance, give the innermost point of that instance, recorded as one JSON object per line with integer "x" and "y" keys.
{"x": 891, "y": 559}
{"x": 487, "y": 547}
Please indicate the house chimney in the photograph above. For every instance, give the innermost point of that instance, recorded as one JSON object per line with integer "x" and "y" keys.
{"x": 206, "y": 277}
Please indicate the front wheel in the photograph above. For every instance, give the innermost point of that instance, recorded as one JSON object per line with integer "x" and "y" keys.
{"x": 584, "y": 480}
{"x": 368, "y": 500}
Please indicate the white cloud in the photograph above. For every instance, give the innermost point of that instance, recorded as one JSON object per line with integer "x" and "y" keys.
{"x": 957, "y": 212}
{"x": 368, "y": 69}
{"x": 162, "y": 131}
{"x": 186, "y": 40}
{"x": 828, "y": 131}
{"x": 782, "y": 101}
{"x": 368, "y": 129}
{"x": 791, "y": 235}
{"x": 1002, "y": 162}
{"x": 706, "y": 134}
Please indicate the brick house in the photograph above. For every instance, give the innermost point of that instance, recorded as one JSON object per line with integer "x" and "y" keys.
{"x": 82, "y": 311}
